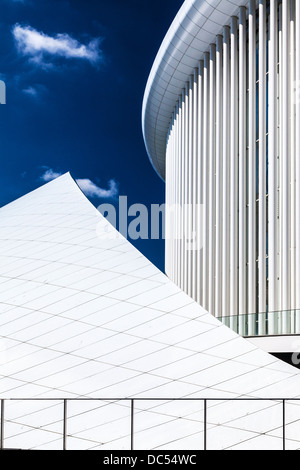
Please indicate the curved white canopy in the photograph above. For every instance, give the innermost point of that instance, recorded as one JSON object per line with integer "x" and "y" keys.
{"x": 192, "y": 31}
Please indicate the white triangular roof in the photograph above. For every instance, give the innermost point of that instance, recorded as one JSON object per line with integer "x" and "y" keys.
{"x": 84, "y": 316}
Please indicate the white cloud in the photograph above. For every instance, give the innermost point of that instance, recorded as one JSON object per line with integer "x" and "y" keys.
{"x": 36, "y": 45}
{"x": 92, "y": 190}
{"x": 30, "y": 91}
{"x": 87, "y": 186}
{"x": 49, "y": 175}
{"x": 34, "y": 90}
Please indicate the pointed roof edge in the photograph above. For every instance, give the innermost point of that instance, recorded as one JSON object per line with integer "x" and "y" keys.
{"x": 66, "y": 175}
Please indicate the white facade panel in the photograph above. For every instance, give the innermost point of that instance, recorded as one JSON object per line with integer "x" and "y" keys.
{"x": 82, "y": 369}
{"x": 249, "y": 139}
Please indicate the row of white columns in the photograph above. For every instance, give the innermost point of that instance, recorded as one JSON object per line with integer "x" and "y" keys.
{"x": 232, "y": 171}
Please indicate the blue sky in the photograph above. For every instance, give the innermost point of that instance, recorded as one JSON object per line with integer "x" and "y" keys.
{"x": 75, "y": 72}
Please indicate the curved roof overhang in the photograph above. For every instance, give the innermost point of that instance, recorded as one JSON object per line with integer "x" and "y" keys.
{"x": 194, "y": 28}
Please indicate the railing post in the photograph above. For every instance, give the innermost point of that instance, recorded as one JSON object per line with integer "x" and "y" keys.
{"x": 65, "y": 426}
{"x": 132, "y": 425}
{"x": 283, "y": 424}
{"x": 2, "y": 426}
{"x": 205, "y": 424}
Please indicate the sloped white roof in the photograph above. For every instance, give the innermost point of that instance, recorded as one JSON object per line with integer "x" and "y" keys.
{"x": 83, "y": 316}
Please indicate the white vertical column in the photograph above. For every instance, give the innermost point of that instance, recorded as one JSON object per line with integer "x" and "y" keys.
{"x": 212, "y": 203}
{"x": 179, "y": 179}
{"x": 190, "y": 187}
{"x": 219, "y": 166}
{"x": 170, "y": 185}
{"x": 186, "y": 188}
{"x": 200, "y": 185}
{"x": 293, "y": 161}
{"x": 168, "y": 182}
{"x": 242, "y": 171}
{"x": 233, "y": 175}
{"x": 297, "y": 151}
{"x": 252, "y": 170}
{"x": 182, "y": 169}
{"x": 173, "y": 135}
{"x": 226, "y": 174}
{"x": 171, "y": 239}
{"x": 285, "y": 173}
{"x": 262, "y": 170}
{"x": 176, "y": 195}
{"x": 173, "y": 196}
{"x": 279, "y": 202}
{"x": 272, "y": 170}
{"x": 205, "y": 159}
{"x": 175, "y": 138}
{"x": 195, "y": 172}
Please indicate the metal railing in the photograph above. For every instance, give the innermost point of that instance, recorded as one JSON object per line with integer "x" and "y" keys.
{"x": 204, "y": 445}
{"x": 283, "y": 322}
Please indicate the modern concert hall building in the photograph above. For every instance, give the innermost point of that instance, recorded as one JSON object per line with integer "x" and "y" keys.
{"x": 221, "y": 123}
